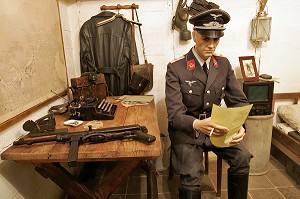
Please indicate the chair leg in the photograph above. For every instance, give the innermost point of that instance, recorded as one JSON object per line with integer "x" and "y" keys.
{"x": 219, "y": 176}
{"x": 206, "y": 162}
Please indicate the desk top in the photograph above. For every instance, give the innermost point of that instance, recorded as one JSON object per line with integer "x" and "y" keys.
{"x": 144, "y": 115}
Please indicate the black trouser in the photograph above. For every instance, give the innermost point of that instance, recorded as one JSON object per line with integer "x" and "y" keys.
{"x": 187, "y": 159}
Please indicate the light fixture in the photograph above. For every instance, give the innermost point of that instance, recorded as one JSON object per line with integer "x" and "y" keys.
{"x": 261, "y": 25}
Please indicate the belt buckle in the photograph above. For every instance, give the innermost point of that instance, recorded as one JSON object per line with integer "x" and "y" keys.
{"x": 202, "y": 116}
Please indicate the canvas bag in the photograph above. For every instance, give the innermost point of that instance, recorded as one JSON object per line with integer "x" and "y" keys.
{"x": 141, "y": 74}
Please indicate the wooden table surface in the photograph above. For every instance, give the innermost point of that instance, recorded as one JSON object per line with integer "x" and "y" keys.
{"x": 129, "y": 154}
{"x": 144, "y": 115}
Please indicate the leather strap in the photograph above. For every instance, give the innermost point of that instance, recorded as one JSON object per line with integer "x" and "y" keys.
{"x": 106, "y": 70}
{"x": 143, "y": 45}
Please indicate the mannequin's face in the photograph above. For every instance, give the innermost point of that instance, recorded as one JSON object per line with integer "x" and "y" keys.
{"x": 205, "y": 46}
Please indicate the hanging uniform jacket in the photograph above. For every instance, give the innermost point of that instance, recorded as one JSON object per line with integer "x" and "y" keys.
{"x": 108, "y": 49}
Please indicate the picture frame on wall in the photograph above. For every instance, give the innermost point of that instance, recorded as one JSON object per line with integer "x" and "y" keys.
{"x": 248, "y": 68}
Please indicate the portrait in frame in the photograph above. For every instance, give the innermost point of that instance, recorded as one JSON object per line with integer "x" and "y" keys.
{"x": 248, "y": 68}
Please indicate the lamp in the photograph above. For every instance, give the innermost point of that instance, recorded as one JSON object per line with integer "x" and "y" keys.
{"x": 261, "y": 28}
{"x": 261, "y": 24}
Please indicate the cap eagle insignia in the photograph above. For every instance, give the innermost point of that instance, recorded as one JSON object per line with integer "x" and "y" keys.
{"x": 215, "y": 16}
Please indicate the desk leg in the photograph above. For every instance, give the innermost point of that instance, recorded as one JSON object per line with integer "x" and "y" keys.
{"x": 65, "y": 180}
{"x": 116, "y": 177}
{"x": 152, "y": 192}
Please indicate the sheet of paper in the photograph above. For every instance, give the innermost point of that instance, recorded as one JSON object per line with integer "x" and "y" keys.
{"x": 232, "y": 118}
{"x": 132, "y": 100}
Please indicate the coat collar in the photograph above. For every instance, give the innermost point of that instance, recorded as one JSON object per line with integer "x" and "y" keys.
{"x": 198, "y": 72}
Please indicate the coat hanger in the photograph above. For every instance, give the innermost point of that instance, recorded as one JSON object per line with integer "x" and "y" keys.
{"x": 117, "y": 16}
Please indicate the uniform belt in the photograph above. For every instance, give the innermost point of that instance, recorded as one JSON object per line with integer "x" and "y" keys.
{"x": 202, "y": 116}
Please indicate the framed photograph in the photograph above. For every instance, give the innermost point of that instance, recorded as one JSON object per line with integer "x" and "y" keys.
{"x": 248, "y": 67}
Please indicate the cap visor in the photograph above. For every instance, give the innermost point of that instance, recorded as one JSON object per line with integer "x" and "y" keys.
{"x": 211, "y": 33}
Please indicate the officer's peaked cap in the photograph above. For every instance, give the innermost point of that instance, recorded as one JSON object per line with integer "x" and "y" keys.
{"x": 211, "y": 22}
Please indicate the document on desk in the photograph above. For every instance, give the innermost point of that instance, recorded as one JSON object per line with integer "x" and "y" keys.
{"x": 132, "y": 100}
{"x": 232, "y": 118}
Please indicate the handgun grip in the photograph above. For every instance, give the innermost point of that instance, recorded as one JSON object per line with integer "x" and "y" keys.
{"x": 73, "y": 152}
{"x": 144, "y": 137}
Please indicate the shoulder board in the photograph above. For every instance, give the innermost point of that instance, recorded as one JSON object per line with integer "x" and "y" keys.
{"x": 177, "y": 59}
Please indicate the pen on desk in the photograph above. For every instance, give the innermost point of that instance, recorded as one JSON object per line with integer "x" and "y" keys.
{"x": 211, "y": 132}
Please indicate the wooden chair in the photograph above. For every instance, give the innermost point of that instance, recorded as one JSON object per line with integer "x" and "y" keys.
{"x": 206, "y": 166}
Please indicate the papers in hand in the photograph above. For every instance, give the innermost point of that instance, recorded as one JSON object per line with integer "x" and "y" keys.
{"x": 232, "y": 118}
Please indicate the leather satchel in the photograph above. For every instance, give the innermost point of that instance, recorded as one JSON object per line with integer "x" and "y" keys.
{"x": 138, "y": 84}
{"x": 89, "y": 87}
{"x": 141, "y": 74}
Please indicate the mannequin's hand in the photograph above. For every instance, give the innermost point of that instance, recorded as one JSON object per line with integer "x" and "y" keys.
{"x": 206, "y": 126}
{"x": 237, "y": 138}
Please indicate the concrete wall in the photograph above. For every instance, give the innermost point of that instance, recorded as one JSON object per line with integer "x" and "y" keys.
{"x": 277, "y": 57}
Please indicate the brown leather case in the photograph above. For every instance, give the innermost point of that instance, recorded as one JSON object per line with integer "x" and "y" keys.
{"x": 88, "y": 86}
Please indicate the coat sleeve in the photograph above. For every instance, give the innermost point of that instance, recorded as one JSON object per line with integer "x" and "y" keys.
{"x": 87, "y": 60}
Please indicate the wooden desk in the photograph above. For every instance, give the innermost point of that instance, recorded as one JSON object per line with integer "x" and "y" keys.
{"x": 129, "y": 154}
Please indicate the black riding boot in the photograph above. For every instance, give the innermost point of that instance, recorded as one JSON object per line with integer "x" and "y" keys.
{"x": 237, "y": 186}
{"x": 189, "y": 194}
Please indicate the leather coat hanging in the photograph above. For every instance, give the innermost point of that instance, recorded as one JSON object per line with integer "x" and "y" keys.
{"x": 107, "y": 49}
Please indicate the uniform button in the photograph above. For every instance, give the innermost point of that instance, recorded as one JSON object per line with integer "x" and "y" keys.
{"x": 190, "y": 91}
{"x": 207, "y": 103}
{"x": 223, "y": 88}
{"x": 208, "y": 91}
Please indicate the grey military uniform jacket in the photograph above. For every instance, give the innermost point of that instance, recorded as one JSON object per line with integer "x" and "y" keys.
{"x": 190, "y": 92}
